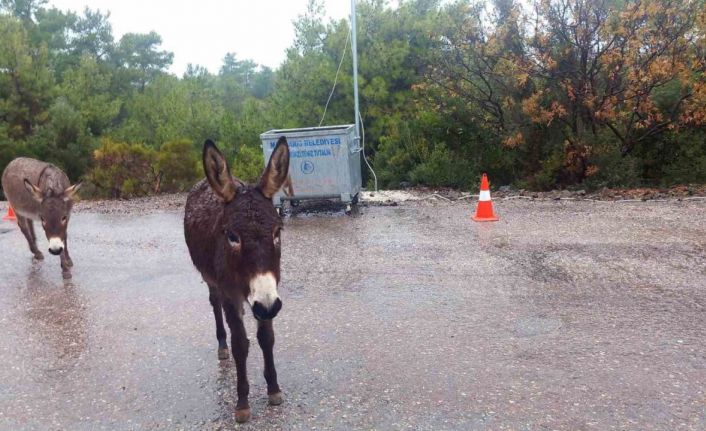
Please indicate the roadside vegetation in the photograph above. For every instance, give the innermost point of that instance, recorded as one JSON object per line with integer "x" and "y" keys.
{"x": 578, "y": 94}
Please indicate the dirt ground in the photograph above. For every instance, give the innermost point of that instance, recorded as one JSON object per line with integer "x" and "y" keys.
{"x": 565, "y": 314}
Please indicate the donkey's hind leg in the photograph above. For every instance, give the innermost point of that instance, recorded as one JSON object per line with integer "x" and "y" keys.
{"x": 240, "y": 344}
{"x": 215, "y": 298}
{"x": 27, "y": 227}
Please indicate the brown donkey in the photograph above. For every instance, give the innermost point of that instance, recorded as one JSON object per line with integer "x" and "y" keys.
{"x": 233, "y": 234}
{"x": 41, "y": 191}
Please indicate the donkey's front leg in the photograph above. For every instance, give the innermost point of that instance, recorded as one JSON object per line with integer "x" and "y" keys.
{"x": 33, "y": 243}
{"x": 65, "y": 261}
{"x": 66, "y": 252}
{"x": 266, "y": 338}
{"x": 27, "y": 227}
{"x": 240, "y": 345}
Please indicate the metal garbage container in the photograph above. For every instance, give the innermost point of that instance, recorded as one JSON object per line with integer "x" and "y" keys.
{"x": 324, "y": 163}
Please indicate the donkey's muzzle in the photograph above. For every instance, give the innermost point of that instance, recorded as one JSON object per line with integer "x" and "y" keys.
{"x": 263, "y": 313}
{"x": 56, "y": 246}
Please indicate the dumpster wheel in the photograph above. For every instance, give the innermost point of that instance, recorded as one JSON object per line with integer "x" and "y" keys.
{"x": 352, "y": 206}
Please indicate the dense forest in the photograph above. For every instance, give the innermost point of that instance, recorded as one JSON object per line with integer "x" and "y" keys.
{"x": 541, "y": 94}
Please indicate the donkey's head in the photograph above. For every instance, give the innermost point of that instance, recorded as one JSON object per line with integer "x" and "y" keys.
{"x": 54, "y": 212}
{"x": 248, "y": 240}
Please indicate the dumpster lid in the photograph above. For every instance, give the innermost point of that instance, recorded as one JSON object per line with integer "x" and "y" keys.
{"x": 304, "y": 130}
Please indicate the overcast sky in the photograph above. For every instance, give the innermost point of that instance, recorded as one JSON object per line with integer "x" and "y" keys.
{"x": 203, "y": 31}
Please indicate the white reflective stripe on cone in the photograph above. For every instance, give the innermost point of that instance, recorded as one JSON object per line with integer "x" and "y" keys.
{"x": 484, "y": 195}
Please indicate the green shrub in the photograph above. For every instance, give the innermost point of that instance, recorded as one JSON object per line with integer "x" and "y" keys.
{"x": 393, "y": 162}
{"x": 248, "y": 163}
{"x": 547, "y": 175}
{"x": 440, "y": 168}
{"x": 178, "y": 166}
{"x": 687, "y": 164}
{"x": 607, "y": 167}
{"x": 123, "y": 170}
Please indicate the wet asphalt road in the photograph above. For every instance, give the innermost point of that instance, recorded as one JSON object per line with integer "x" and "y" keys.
{"x": 563, "y": 315}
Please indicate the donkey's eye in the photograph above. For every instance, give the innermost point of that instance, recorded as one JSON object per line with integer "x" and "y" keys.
{"x": 233, "y": 239}
{"x": 63, "y": 219}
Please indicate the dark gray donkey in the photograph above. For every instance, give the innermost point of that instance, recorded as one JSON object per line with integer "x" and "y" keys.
{"x": 233, "y": 234}
{"x": 41, "y": 191}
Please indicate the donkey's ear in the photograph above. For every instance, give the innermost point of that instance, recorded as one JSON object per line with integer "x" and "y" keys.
{"x": 34, "y": 190}
{"x": 70, "y": 192}
{"x": 217, "y": 173}
{"x": 277, "y": 169}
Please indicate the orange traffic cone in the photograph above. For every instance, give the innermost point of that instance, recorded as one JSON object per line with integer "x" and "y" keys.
{"x": 10, "y": 214}
{"x": 484, "y": 212}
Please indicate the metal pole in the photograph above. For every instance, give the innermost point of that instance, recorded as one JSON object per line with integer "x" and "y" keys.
{"x": 354, "y": 49}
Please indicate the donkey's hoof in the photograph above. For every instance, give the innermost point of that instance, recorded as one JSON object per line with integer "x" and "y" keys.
{"x": 66, "y": 275}
{"x": 69, "y": 262}
{"x": 242, "y": 415}
{"x": 38, "y": 255}
{"x": 223, "y": 353}
{"x": 276, "y": 399}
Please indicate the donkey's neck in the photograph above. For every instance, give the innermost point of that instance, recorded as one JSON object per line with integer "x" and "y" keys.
{"x": 52, "y": 181}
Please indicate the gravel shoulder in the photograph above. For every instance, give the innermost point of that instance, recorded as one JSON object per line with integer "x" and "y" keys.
{"x": 412, "y": 196}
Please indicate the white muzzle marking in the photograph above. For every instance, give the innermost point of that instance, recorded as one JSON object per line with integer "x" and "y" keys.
{"x": 56, "y": 244}
{"x": 263, "y": 289}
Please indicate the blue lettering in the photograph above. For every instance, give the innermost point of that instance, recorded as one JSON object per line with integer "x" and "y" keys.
{"x": 309, "y": 142}
{"x": 324, "y": 152}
